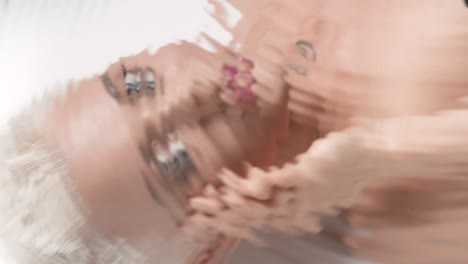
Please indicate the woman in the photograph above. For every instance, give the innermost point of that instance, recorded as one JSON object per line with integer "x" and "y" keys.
{"x": 116, "y": 157}
{"x": 161, "y": 139}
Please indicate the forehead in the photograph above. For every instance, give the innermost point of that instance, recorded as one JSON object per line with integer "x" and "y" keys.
{"x": 178, "y": 64}
{"x": 169, "y": 58}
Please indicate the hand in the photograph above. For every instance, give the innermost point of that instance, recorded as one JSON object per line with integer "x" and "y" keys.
{"x": 290, "y": 199}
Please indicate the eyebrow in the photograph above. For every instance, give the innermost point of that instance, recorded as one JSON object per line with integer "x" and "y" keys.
{"x": 145, "y": 152}
{"x": 110, "y": 87}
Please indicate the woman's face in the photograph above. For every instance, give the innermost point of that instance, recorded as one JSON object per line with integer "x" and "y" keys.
{"x": 153, "y": 130}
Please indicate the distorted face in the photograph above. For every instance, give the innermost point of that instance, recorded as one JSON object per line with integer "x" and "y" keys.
{"x": 154, "y": 129}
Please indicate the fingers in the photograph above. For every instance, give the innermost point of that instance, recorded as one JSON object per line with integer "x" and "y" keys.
{"x": 228, "y": 208}
{"x": 256, "y": 186}
{"x": 241, "y": 204}
{"x": 245, "y": 211}
{"x": 214, "y": 223}
{"x": 210, "y": 191}
{"x": 227, "y": 212}
{"x": 286, "y": 177}
{"x": 208, "y": 206}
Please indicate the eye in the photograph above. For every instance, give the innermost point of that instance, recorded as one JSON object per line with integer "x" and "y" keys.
{"x": 163, "y": 161}
{"x": 132, "y": 83}
{"x": 179, "y": 152}
{"x": 150, "y": 80}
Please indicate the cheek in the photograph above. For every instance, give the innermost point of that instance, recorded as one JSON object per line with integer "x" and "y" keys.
{"x": 108, "y": 141}
{"x": 105, "y": 165}
{"x": 101, "y": 149}
{"x": 111, "y": 186}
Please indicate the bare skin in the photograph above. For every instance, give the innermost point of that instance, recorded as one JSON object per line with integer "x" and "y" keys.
{"x": 109, "y": 133}
{"x": 333, "y": 57}
{"x": 366, "y": 59}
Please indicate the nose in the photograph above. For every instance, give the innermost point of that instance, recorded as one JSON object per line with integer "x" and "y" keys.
{"x": 189, "y": 143}
{"x": 197, "y": 133}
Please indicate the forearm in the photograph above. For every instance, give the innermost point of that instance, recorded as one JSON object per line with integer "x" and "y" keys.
{"x": 332, "y": 173}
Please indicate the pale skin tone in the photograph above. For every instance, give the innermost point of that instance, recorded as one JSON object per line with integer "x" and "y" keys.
{"x": 109, "y": 134}
{"x": 326, "y": 91}
{"x": 370, "y": 59}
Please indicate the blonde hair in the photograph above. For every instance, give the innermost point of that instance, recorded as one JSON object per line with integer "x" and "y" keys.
{"x": 41, "y": 219}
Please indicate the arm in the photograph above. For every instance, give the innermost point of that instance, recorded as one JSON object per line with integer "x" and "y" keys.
{"x": 333, "y": 172}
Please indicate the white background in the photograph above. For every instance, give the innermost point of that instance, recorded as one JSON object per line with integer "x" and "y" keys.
{"x": 44, "y": 43}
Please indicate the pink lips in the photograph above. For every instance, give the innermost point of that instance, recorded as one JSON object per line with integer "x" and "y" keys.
{"x": 240, "y": 81}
